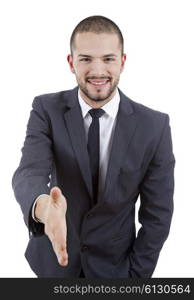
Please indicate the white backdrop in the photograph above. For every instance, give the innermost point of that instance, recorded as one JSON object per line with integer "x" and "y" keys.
{"x": 159, "y": 73}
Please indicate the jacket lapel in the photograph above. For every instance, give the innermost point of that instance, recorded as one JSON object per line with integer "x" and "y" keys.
{"x": 124, "y": 131}
{"x": 75, "y": 127}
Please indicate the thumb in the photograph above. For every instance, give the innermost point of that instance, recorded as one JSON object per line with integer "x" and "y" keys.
{"x": 55, "y": 193}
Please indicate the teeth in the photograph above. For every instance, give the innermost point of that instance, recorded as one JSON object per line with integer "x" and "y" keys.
{"x": 98, "y": 83}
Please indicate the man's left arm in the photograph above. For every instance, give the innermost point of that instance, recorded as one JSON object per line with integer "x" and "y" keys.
{"x": 156, "y": 208}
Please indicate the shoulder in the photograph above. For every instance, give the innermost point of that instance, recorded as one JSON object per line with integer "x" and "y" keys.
{"x": 56, "y": 97}
{"x": 52, "y": 103}
{"x": 148, "y": 113}
{"x": 147, "y": 117}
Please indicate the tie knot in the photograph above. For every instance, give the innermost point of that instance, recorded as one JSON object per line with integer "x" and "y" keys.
{"x": 96, "y": 112}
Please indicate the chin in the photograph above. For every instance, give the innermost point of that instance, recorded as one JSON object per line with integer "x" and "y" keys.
{"x": 98, "y": 98}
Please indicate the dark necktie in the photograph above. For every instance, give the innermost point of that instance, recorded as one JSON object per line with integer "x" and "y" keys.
{"x": 93, "y": 148}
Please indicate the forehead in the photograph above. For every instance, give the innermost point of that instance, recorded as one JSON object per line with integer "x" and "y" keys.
{"x": 90, "y": 43}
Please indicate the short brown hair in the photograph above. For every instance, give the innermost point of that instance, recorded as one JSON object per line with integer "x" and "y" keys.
{"x": 97, "y": 24}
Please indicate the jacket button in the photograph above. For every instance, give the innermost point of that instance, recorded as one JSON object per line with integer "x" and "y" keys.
{"x": 84, "y": 248}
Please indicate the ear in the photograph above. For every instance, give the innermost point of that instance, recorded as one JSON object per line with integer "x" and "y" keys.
{"x": 123, "y": 59}
{"x": 70, "y": 62}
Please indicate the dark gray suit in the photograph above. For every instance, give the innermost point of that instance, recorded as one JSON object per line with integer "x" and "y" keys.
{"x": 101, "y": 238}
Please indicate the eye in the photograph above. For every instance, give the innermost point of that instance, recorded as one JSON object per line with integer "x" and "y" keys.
{"x": 109, "y": 59}
{"x": 85, "y": 59}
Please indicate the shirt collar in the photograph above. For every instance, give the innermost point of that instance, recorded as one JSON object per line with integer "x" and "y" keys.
{"x": 111, "y": 107}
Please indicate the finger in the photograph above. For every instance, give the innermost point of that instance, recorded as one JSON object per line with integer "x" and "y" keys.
{"x": 63, "y": 257}
{"x": 55, "y": 193}
{"x": 59, "y": 242}
{"x": 63, "y": 260}
{"x": 61, "y": 253}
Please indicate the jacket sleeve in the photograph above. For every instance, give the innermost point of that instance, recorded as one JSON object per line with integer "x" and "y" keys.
{"x": 32, "y": 177}
{"x": 156, "y": 208}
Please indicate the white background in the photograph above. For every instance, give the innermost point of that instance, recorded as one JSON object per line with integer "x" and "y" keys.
{"x": 159, "y": 73}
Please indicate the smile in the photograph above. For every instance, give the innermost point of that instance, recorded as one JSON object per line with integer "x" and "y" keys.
{"x": 98, "y": 83}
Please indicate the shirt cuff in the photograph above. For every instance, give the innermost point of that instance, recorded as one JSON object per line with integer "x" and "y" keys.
{"x": 33, "y": 209}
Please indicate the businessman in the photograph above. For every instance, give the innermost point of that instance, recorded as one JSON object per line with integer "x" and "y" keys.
{"x": 89, "y": 153}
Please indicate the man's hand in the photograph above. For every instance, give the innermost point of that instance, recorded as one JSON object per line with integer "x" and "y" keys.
{"x": 51, "y": 210}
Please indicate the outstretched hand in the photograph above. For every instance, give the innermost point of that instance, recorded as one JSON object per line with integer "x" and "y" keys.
{"x": 51, "y": 209}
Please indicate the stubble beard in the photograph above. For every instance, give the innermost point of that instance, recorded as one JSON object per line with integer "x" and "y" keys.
{"x": 98, "y": 98}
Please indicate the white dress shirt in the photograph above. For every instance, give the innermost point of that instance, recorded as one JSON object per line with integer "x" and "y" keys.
{"x": 107, "y": 124}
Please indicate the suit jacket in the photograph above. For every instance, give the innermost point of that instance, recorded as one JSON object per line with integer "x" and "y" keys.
{"x": 101, "y": 238}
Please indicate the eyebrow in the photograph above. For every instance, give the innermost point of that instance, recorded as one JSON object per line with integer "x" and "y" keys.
{"x": 89, "y": 56}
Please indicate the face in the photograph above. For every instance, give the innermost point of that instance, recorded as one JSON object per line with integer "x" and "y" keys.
{"x": 97, "y": 63}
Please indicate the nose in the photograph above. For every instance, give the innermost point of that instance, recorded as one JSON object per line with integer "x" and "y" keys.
{"x": 97, "y": 68}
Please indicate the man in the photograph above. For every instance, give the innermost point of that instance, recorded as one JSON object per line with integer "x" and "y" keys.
{"x": 88, "y": 154}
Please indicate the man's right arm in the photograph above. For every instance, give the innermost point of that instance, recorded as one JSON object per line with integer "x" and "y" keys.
{"x": 31, "y": 178}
